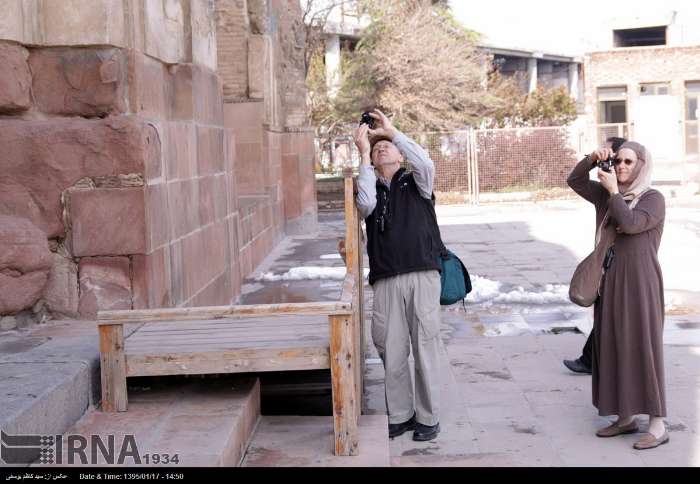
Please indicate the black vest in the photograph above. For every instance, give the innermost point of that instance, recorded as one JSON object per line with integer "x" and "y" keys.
{"x": 402, "y": 231}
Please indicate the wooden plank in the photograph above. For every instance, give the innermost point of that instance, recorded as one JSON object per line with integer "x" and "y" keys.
{"x": 347, "y": 289}
{"x": 230, "y": 361}
{"x": 153, "y": 330}
{"x": 219, "y": 312}
{"x": 262, "y": 333}
{"x": 271, "y": 331}
{"x": 358, "y": 317}
{"x": 350, "y": 227}
{"x": 206, "y": 339}
{"x": 113, "y": 368}
{"x": 183, "y": 346}
{"x": 342, "y": 381}
{"x": 360, "y": 311}
{"x": 222, "y": 325}
{"x": 229, "y": 343}
{"x": 356, "y": 363}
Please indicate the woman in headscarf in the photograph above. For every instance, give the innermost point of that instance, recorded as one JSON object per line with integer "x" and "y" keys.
{"x": 628, "y": 364}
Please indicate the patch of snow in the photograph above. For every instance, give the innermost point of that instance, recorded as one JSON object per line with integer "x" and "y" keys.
{"x": 485, "y": 290}
{"x": 510, "y": 328}
{"x": 330, "y": 256}
{"x": 306, "y": 273}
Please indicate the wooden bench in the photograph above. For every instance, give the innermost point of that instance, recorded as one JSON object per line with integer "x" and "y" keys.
{"x": 249, "y": 338}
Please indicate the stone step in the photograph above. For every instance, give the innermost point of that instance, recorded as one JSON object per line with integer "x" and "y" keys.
{"x": 207, "y": 423}
{"x": 301, "y": 441}
{"x": 49, "y": 377}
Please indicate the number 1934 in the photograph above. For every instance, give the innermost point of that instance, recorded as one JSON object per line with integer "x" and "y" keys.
{"x": 161, "y": 458}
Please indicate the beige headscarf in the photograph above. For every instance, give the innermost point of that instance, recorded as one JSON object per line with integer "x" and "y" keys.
{"x": 641, "y": 177}
{"x": 634, "y": 189}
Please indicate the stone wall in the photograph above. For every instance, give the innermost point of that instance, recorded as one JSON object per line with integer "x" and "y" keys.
{"x": 148, "y": 189}
{"x": 265, "y": 110}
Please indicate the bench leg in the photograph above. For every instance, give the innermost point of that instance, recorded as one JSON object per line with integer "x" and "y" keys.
{"x": 113, "y": 368}
{"x": 343, "y": 383}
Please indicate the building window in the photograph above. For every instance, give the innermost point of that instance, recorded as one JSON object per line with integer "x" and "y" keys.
{"x": 639, "y": 37}
{"x": 612, "y": 113}
{"x": 692, "y": 112}
{"x": 612, "y": 105}
{"x": 654, "y": 89}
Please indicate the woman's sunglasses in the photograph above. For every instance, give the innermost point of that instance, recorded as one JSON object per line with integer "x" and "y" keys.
{"x": 627, "y": 161}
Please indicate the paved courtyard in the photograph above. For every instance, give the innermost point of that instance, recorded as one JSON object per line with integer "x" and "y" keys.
{"x": 507, "y": 399}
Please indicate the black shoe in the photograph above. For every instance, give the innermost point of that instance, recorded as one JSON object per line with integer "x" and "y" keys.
{"x": 398, "y": 429}
{"x": 426, "y": 432}
{"x": 577, "y": 366}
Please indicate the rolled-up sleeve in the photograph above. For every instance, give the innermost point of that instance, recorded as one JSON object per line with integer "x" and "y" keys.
{"x": 366, "y": 190}
{"x": 421, "y": 164}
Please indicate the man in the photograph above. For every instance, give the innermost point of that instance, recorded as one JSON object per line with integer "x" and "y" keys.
{"x": 583, "y": 364}
{"x": 403, "y": 245}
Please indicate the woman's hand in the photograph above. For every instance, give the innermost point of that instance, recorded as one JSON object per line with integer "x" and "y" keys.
{"x": 362, "y": 140}
{"x": 383, "y": 126}
{"x": 609, "y": 181}
{"x": 601, "y": 154}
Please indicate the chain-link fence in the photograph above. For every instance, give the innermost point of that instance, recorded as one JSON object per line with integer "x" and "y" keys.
{"x": 524, "y": 159}
{"x": 485, "y": 160}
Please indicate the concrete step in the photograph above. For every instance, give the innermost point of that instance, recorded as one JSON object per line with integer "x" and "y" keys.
{"x": 49, "y": 377}
{"x": 207, "y": 423}
{"x": 294, "y": 441}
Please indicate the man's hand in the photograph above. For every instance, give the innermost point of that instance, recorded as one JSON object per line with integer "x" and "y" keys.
{"x": 362, "y": 140}
{"x": 609, "y": 181}
{"x": 383, "y": 126}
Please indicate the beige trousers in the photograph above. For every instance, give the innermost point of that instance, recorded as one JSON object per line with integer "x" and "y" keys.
{"x": 406, "y": 313}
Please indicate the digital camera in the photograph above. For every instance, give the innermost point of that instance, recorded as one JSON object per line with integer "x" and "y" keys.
{"x": 367, "y": 119}
{"x": 606, "y": 165}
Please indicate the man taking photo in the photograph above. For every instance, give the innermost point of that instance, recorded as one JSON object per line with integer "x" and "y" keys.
{"x": 403, "y": 245}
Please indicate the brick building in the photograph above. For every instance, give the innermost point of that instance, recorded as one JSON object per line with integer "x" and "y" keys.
{"x": 154, "y": 151}
{"x": 643, "y": 82}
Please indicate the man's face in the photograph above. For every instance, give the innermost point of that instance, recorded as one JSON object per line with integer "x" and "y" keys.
{"x": 385, "y": 153}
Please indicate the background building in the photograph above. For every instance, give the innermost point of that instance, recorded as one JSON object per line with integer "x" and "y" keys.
{"x": 643, "y": 82}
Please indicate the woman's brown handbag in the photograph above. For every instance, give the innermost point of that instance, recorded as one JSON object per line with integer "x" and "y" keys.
{"x": 585, "y": 283}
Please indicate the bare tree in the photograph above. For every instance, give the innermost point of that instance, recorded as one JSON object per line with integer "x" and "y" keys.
{"x": 315, "y": 15}
{"x": 418, "y": 63}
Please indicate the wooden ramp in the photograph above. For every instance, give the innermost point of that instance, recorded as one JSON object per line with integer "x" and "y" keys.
{"x": 249, "y": 339}
{"x": 272, "y": 343}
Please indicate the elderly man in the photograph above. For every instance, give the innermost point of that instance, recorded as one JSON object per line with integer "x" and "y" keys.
{"x": 403, "y": 245}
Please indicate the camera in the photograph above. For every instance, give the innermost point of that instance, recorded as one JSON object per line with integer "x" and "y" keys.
{"x": 367, "y": 119}
{"x": 606, "y": 165}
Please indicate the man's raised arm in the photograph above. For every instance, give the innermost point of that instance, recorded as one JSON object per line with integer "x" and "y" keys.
{"x": 423, "y": 167}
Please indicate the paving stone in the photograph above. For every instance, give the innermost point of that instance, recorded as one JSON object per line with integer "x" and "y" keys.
{"x": 293, "y": 441}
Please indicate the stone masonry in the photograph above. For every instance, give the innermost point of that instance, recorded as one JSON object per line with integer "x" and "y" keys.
{"x": 120, "y": 154}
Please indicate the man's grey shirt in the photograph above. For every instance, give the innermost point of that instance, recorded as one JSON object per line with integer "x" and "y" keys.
{"x": 422, "y": 167}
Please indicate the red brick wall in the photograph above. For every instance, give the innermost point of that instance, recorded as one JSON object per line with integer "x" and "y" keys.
{"x": 232, "y": 46}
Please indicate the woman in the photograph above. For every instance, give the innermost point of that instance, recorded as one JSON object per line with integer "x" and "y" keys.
{"x": 628, "y": 366}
